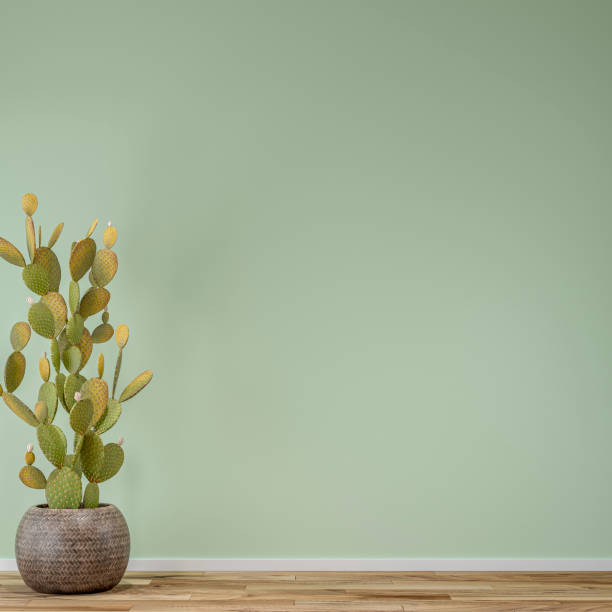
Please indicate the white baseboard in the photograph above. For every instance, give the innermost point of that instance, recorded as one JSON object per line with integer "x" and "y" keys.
{"x": 360, "y": 565}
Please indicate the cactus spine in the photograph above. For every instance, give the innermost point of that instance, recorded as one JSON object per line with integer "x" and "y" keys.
{"x": 91, "y": 409}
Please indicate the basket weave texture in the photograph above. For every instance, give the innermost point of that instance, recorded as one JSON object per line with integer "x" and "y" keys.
{"x": 72, "y": 551}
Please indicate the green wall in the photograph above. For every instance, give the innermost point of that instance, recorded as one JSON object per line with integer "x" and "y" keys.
{"x": 365, "y": 247}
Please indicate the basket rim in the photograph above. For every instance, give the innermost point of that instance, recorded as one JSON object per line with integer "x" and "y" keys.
{"x": 44, "y": 509}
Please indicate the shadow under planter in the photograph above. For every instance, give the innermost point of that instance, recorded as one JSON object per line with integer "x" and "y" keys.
{"x": 72, "y": 551}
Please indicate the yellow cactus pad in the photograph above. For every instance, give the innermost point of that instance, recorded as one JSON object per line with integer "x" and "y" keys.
{"x": 46, "y": 258}
{"x": 30, "y": 237}
{"x": 20, "y": 335}
{"x": 14, "y": 371}
{"x": 137, "y": 385}
{"x": 81, "y": 258}
{"x": 104, "y": 267}
{"x": 100, "y": 365}
{"x": 56, "y": 304}
{"x": 30, "y": 458}
{"x": 92, "y": 227}
{"x": 122, "y": 335}
{"x": 102, "y": 333}
{"x": 11, "y": 253}
{"x": 55, "y": 235}
{"x": 94, "y": 300}
{"x": 96, "y": 390}
{"x": 20, "y": 409}
{"x": 110, "y": 236}
{"x": 29, "y": 203}
{"x": 32, "y": 477}
{"x": 41, "y": 411}
{"x": 44, "y": 368}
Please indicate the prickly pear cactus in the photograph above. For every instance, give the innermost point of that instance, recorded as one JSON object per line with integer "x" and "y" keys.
{"x": 90, "y": 410}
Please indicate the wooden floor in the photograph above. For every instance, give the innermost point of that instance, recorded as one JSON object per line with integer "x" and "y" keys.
{"x": 322, "y": 591}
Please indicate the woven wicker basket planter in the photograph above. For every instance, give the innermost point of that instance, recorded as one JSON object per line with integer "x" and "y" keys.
{"x": 72, "y": 551}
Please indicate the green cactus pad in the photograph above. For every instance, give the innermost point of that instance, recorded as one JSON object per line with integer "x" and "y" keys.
{"x": 74, "y": 461}
{"x": 14, "y": 371}
{"x": 113, "y": 460}
{"x": 40, "y": 411}
{"x": 32, "y": 477}
{"x": 48, "y": 394}
{"x": 73, "y": 383}
{"x": 117, "y": 370}
{"x": 81, "y": 416}
{"x": 60, "y": 381}
{"x": 96, "y": 390}
{"x": 20, "y": 335}
{"x": 35, "y": 278}
{"x": 52, "y": 442}
{"x": 74, "y": 296}
{"x": 46, "y": 258}
{"x": 55, "y": 355}
{"x": 110, "y": 417}
{"x": 30, "y": 236}
{"x": 41, "y": 319}
{"x": 78, "y": 444}
{"x": 81, "y": 258}
{"x": 55, "y": 235}
{"x": 64, "y": 489}
{"x": 71, "y": 358}
{"x": 74, "y": 328}
{"x": 94, "y": 300}
{"x": 105, "y": 316}
{"x": 11, "y": 253}
{"x": 20, "y": 409}
{"x": 91, "y": 497}
{"x": 92, "y": 456}
{"x": 136, "y": 386}
{"x": 56, "y": 304}
{"x": 104, "y": 267}
{"x": 85, "y": 345}
{"x": 102, "y": 333}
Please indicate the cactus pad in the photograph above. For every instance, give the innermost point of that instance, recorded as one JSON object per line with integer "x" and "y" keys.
{"x": 104, "y": 267}
{"x": 100, "y": 365}
{"x": 92, "y": 456}
{"x": 55, "y": 235}
{"x": 74, "y": 296}
{"x": 102, "y": 333}
{"x": 73, "y": 383}
{"x": 91, "y": 497}
{"x": 41, "y": 319}
{"x": 32, "y": 477}
{"x": 52, "y": 442}
{"x": 94, "y": 300}
{"x": 74, "y": 461}
{"x": 96, "y": 390}
{"x": 30, "y": 236}
{"x": 44, "y": 368}
{"x": 81, "y": 416}
{"x": 110, "y": 417}
{"x": 113, "y": 460}
{"x": 14, "y": 371}
{"x": 29, "y": 456}
{"x": 117, "y": 370}
{"x": 105, "y": 316}
{"x": 71, "y": 358}
{"x": 122, "y": 335}
{"x": 92, "y": 227}
{"x": 64, "y": 489}
{"x": 35, "y": 278}
{"x": 46, "y": 258}
{"x": 20, "y": 335}
{"x": 20, "y": 409}
{"x": 56, "y": 304}
{"x": 48, "y": 394}
{"x": 11, "y": 253}
{"x": 81, "y": 258}
{"x": 55, "y": 355}
{"x": 29, "y": 203}
{"x": 85, "y": 345}
{"x": 110, "y": 236}
{"x": 60, "y": 381}
{"x": 137, "y": 385}
{"x": 40, "y": 411}
{"x": 74, "y": 328}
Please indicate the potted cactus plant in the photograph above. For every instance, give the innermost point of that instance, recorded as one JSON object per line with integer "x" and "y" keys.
{"x": 73, "y": 543}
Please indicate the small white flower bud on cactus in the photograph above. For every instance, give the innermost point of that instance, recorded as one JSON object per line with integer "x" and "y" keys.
{"x": 30, "y": 300}
{"x": 109, "y": 224}
{"x": 78, "y": 396}
{"x": 30, "y": 448}
{"x": 121, "y": 441}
